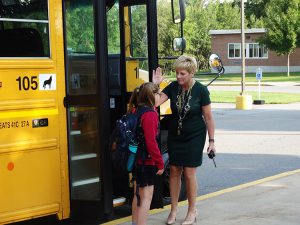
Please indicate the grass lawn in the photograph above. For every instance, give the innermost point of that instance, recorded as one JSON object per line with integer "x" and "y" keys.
{"x": 250, "y": 77}
{"x": 269, "y": 97}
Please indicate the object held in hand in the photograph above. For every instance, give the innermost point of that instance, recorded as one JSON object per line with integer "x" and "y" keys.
{"x": 211, "y": 155}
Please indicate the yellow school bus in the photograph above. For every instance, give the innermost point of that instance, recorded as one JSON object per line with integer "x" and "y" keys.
{"x": 60, "y": 92}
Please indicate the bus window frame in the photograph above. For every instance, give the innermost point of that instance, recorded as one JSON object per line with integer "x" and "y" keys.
{"x": 5, "y": 19}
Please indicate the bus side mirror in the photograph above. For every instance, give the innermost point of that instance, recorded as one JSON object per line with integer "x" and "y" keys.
{"x": 216, "y": 63}
{"x": 179, "y": 44}
{"x": 178, "y": 11}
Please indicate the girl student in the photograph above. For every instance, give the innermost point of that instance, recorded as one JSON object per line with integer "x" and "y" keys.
{"x": 149, "y": 161}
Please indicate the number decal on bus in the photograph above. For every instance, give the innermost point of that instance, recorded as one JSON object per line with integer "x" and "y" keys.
{"x": 136, "y": 73}
{"x": 25, "y": 83}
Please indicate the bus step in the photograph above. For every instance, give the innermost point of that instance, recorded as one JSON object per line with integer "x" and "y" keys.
{"x": 119, "y": 201}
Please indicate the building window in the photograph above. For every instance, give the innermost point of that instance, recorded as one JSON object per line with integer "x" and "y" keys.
{"x": 252, "y": 51}
{"x": 234, "y": 50}
{"x": 24, "y": 28}
{"x": 255, "y": 50}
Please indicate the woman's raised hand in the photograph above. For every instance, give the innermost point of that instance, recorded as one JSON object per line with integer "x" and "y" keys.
{"x": 157, "y": 76}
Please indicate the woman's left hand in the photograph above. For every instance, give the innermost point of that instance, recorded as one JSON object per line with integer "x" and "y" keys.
{"x": 211, "y": 147}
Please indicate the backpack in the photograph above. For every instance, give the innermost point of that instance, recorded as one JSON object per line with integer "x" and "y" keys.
{"x": 124, "y": 140}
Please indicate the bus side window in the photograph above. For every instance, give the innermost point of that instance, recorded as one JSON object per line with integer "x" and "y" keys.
{"x": 22, "y": 42}
{"x": 24, "y": 29}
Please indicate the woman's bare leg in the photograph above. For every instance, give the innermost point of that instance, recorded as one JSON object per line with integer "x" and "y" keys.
{"x": 175, "y": 186}
{"x": 191, "y": 189}
{"x": 146, "y": 194}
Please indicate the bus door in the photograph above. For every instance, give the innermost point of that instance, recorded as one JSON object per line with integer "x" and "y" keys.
{"x": 87, "y": 106}
{"x": 139, "y": 41}
{"x": 139, "y": 53}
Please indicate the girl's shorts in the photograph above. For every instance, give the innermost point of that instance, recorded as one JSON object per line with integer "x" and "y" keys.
{"x": 144, "y": 175}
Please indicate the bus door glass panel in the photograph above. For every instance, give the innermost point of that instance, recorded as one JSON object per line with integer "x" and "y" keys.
{"x": 166, "y": 31}
{"x": 84, "y": 157}
{"x": 114, "y": 49}
{"x": 81, "y": 67}
{"x": 24, "y": 28}
{"x": 136, "y": 46}
{"x": 82, "y": 118}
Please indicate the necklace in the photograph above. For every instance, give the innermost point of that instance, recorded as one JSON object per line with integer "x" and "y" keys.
{"x": 183, "y": 105}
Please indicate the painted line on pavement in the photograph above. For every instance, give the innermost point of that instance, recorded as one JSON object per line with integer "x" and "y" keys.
{"x": 211, "y": 195}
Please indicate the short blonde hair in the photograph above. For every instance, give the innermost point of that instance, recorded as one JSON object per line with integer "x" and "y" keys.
{"x": 187, "y": 63}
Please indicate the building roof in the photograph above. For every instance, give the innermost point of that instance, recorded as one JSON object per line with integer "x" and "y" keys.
{"x": 247, "y": 31}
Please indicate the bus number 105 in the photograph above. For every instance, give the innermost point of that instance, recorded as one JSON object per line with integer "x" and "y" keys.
{"x": 26, "y": 83}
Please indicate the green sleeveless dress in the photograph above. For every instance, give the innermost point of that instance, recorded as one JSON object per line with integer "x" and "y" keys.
{"x": 186, "y": 149}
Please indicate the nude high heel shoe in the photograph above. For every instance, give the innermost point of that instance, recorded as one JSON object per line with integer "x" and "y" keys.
{"x": 171, "y": 221}
{"x": 190, "y": 222}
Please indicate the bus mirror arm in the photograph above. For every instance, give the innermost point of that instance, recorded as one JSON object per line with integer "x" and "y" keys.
{"x": 216, "y": 77}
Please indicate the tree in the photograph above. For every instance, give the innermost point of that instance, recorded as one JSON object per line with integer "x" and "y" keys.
{"x": 254, "y": 12}
{"x": 282, "y": 23}
{"x": 204, "y": 17}
{"x": 255, "y": 8}
{"x": 81, "y": 37}
{"x": 113, "y": 31}
{"x": 227, "y": 16}
{"x": 167, "y": 30}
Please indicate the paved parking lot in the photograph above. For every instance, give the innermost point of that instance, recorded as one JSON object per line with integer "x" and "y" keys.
{"x": 254, "y": 146}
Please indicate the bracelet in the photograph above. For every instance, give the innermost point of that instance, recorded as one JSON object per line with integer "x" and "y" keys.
{"x": 211, "y": 140}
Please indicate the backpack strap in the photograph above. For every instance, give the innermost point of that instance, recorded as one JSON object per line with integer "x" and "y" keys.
{"x": 142, "y": 110}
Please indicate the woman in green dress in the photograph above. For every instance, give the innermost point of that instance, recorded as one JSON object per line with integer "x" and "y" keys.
{"x": 191, "y": 120}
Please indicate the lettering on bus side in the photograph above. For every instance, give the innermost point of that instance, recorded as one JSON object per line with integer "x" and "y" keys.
{"x": 14, "y": 124}
{"x": 40, "y": 122}
{"x": 43, "y": 82}
{"x": 26, "y": 83}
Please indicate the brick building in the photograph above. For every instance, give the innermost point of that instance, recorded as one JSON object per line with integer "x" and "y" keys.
{"x": 227, "y": 44}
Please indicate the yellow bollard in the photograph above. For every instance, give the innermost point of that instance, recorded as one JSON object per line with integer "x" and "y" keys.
{"x": 244, "y": 102}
